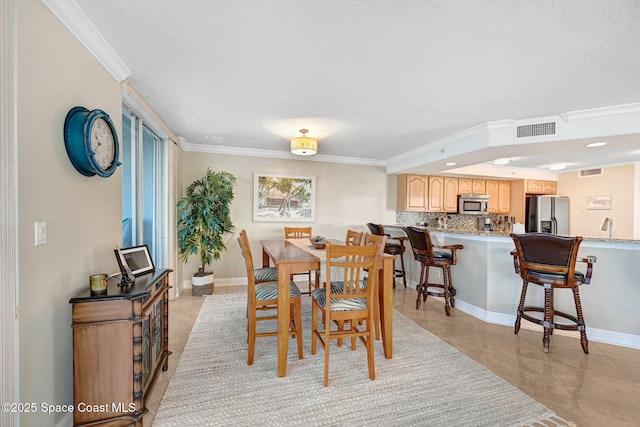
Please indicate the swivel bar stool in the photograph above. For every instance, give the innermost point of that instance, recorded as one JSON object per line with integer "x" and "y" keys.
{"x": 394, "y": 246}
{"x": 549, "y": 261}
{"x": 424, "y": 253}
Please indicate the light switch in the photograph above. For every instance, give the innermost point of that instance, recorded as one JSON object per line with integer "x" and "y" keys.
{"x": 41, "y": 233}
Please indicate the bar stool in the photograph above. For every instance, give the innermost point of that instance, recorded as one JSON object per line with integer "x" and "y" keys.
{"x": 394, "y": 246}
{"x": 549, "y": 261}
{"x": 424, "y": 253}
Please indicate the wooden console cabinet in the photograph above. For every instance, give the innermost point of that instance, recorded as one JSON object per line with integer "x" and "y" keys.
{"x": 120, "y": 344}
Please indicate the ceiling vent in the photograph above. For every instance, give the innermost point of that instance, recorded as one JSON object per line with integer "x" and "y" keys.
{"x": 589, "y": 172}
{"x": 536, "y": 129}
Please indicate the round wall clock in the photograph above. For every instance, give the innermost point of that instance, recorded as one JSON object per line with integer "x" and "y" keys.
{"x": 91, "y": 142}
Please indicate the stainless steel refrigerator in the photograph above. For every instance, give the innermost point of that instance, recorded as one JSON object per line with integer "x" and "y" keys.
{"x": 547, "y": 214}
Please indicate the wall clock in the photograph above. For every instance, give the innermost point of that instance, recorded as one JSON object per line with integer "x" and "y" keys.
{"x": 91, "y": 142}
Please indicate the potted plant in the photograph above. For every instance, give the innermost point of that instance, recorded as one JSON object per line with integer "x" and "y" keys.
{"x": 204, "y": 218}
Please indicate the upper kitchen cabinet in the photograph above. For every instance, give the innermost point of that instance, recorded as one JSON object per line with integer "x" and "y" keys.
{"x": 499, "y": 195}
{"x": 538, "y": 186}
{"x": 443, "y": 194}
{"x": 471, "y": 186}
{"x": 412, "y": 193}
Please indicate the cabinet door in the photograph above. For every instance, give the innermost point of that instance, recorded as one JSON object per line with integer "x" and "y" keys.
{"x": 534, "y": 186}
{"x": 465, "y": 185}
{"x": 436, "y": 193}
{"x": 493, "y": 191}
{"x": 478, "y": 186}
{"x": 412, "y": 193}
{"x": 450, "y": 196}
{"x": 504, "y": 196}
{"x": 549, "y": 187}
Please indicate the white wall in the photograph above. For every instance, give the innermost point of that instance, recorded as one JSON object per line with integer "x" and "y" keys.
{"x": 54, "y": 74}
{"x": 347, "y": 196}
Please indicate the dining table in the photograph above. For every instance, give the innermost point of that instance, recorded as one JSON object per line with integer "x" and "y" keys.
{"x": 298, "y": 255}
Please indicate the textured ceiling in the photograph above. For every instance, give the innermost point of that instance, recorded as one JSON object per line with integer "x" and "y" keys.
{"x": 371, "y": 79}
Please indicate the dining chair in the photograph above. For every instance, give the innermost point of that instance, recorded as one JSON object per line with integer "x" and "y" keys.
{"x": 353, "y": 238}
{"x": 430, "y": 255}
{"x": 264, "y": 296}
{"x": 381, "y": 241}
{"x": 302, "y": 233}
{"x": 346, "y": 299}
{"x": 549, "y": 261}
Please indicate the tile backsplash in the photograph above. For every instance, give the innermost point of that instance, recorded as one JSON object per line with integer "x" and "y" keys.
{"x": 430, "y": 219}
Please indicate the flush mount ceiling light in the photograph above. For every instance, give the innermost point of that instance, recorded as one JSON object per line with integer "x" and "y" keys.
{"x": 450, "y": 164}
{"x": 595, "y": 144}
{"x": 303, "y": 146}
{"x": 501, "y": 162}
{"x": 557, "y": 166}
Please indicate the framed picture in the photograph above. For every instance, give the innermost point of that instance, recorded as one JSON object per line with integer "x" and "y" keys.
{"x": 284, "y": 198}
{"x": 136, "y": 259}
{"x": 599, "y": 202}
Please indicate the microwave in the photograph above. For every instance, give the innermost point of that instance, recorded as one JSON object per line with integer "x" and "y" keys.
{"x": 474, "y": 204}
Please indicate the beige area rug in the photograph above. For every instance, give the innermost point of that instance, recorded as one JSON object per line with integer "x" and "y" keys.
{"x": 427, "y": 383}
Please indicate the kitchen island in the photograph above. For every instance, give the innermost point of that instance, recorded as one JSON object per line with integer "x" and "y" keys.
{"x": 489, "y": 289}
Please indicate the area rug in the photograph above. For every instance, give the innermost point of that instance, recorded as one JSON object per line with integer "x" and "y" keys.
{"x": 427, "y": 383}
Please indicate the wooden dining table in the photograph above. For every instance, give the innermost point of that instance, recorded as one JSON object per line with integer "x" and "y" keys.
{"x": 293, "y": 256}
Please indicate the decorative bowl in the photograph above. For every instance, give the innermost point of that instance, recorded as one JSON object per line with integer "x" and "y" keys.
{"x": 318, "y": 242}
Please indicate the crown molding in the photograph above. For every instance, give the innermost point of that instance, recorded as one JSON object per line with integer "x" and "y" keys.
{"x": 74, "y": 19}
{"x": 604, "y": 113}
{"x": 255, "y": 152}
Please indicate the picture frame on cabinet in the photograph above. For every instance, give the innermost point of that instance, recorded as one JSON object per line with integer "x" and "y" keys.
{"x": 284, "y": 198}
{"x": 135, "y": 260}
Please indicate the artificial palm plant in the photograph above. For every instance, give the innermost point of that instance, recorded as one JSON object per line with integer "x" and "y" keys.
{"x": 204, "y": 218}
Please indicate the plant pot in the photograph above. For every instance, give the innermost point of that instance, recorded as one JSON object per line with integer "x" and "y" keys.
{"x": 202, "y": 284}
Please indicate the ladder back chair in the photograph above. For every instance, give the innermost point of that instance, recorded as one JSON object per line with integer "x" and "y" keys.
{"x": 264, "y": 296}
{"x": 301, "y": 233}
{"x": 549, "y": 261}
{"x": 346, "y": 299}
{"x": 353, "y": 238}
{"x": 424, "y": 252}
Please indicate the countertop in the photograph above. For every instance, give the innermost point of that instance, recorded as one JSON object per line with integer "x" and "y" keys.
{"x": 502, "y": 233}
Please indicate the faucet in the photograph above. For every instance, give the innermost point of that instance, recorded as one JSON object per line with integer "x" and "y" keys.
{"x": 608, "y": 222}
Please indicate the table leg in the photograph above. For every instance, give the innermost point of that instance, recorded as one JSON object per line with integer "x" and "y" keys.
{"x": 385, "y": 293}
{"x": 284, "y": 280}
{"x": 265, "y": 258}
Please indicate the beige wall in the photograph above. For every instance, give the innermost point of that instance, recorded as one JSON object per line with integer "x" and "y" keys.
{"x": 56, "y": 73}
{"x": 617, "y": 182}
{"x": 347, "y": 196}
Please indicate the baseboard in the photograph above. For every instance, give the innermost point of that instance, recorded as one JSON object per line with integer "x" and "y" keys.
{"x": 229, "y": 281}
{"x": 593, "y": 334}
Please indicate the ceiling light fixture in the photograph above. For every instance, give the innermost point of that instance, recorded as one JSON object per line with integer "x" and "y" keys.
{"x": 303, "y": 146}
{"x": 501, "y": 162}
{"x": 595, "y": 144}
{"x": 557, "y": 166}
{"x": 450, "y": 164}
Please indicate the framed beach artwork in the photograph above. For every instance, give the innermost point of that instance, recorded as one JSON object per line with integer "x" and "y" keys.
{"x": 599, "y": 202}
{"x": 284, "y": 198}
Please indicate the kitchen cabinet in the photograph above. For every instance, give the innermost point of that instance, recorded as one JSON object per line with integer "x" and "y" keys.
{"x": 465, "y": 185}
{"x": 412, "y": 193}
{"x": 499, "y": 192}
{"x": 539, "y": 186}
{"x": 120, "y": 345}
{"x": 443, "y": 194}
{"x": 478, "y": 186}
{"x": 471, "y": 186}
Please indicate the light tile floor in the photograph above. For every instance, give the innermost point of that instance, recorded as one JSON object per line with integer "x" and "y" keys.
{"x": 599, "y": 389}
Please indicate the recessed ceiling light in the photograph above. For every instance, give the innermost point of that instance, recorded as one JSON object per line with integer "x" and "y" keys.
{"x": 596, "y": 144}
{"x": 450, "y": 164}
{"x": 557, "y": 166}
{"x": 501, "y": 162}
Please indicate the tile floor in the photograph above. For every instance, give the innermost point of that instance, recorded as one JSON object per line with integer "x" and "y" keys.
{"x": 599, "y": 389}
